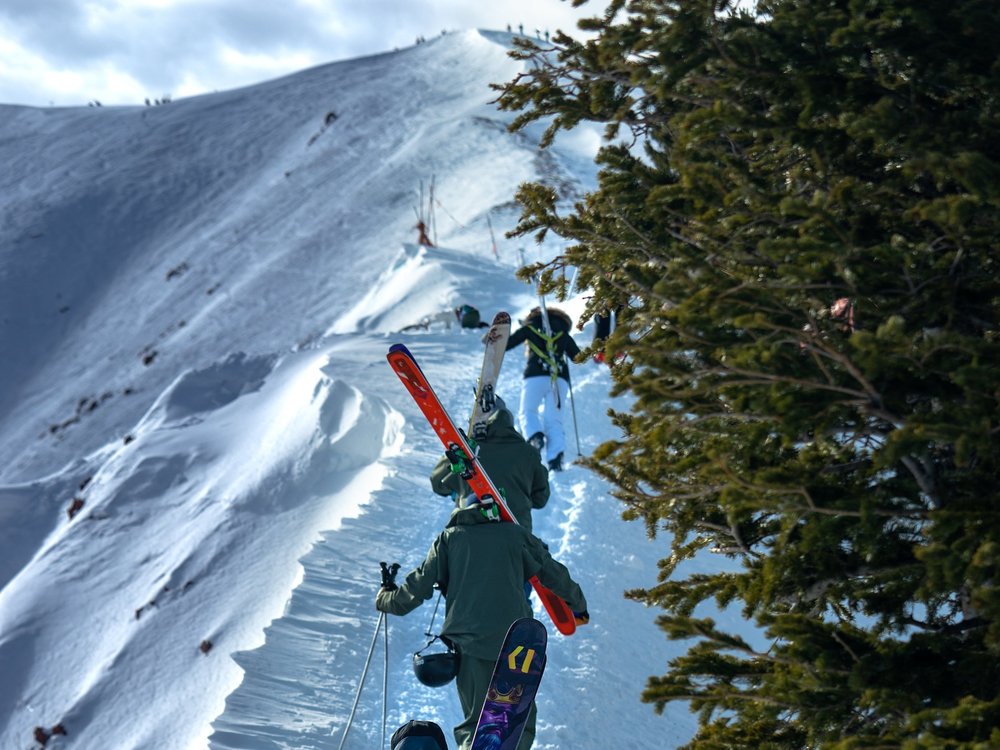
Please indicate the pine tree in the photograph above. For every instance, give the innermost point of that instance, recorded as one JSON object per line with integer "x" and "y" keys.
{"x": 799, "y": 208}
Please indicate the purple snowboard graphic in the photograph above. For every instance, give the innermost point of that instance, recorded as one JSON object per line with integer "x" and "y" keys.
{"x": 512, "y": 690}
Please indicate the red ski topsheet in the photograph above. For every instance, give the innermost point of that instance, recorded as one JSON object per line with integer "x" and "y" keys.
{"x": 409, "y": 372}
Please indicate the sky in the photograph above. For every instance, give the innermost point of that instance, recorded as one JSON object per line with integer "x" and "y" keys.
{"x": 122, "y": 52}
{"x": 206, "y": 454}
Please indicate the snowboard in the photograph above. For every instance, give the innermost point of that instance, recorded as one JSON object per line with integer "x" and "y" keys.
{"x": 406, "y": 368}
{"x": 496, "y": 345}
{"x": 513, "y": 687}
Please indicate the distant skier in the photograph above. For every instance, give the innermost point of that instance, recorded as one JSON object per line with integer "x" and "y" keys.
{"x": 602, "y": 329}
{"x": 481, "y": 566}
{"x": 510, "y": 462}
{"x": 545, "y": 374}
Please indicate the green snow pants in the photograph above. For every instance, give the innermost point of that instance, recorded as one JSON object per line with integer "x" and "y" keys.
{"x": 473, "y": 681}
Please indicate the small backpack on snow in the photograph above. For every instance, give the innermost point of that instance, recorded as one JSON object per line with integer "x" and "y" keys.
{"x": 468, "y": 316}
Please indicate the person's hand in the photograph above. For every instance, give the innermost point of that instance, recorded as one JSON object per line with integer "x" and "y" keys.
{"x": 581, "y": 618}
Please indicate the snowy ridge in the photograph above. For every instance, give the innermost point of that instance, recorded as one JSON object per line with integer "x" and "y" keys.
{"x": 188, "y": 212}
{"x": 420, "y": 282}
{"x": 233, "y": 473}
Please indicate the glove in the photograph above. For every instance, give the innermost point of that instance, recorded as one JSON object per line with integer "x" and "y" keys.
{"x": 389, "y": 577}
{"x": 581, "y": 618}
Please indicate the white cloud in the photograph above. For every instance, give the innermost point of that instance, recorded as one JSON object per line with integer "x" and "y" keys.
{"x": 68, "y": 52}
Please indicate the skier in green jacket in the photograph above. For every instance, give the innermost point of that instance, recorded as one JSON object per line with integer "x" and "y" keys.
{"x": 514, "y": 466}
{"x": 481, "y": 566}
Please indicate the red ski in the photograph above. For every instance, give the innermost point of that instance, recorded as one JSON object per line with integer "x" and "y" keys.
{"x": 405, "y": 366}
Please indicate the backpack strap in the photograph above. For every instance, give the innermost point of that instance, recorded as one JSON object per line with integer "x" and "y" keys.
{"x": 548, "y": 356}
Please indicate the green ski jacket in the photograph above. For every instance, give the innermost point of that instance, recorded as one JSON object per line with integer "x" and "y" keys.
{"x": 481, "y": 566}
{"x": 514, "y": 466}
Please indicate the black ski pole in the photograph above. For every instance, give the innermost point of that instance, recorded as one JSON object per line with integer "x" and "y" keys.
{"x": 385, "y": 682}
{"x": 388, "y": 582}
{"x": 576, "y": 429}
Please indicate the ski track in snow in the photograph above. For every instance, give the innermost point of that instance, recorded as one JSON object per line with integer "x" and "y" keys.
{"x": 288, "y": 697}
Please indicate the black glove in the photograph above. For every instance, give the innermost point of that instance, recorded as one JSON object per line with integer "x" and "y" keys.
{"x": 389, "y": 576}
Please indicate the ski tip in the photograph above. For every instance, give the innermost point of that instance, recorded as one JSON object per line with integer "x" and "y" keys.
{"x": 501, "y": 317}
{"x": 566, "y": 627}
{"x": 401, "y": 348}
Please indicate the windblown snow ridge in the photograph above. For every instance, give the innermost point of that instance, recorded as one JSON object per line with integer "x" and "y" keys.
{"x": 227, "y": 481}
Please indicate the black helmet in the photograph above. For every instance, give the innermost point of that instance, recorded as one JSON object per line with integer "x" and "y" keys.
{"x": 435, "y": 670}
{"x": 419, "y": 735}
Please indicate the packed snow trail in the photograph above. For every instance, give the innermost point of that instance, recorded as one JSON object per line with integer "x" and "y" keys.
{"x": 299, "y": 686}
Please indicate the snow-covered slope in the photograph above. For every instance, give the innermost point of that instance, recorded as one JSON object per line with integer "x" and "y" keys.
{"x": 239, "y": 220}
{"x": 206, "y": 455}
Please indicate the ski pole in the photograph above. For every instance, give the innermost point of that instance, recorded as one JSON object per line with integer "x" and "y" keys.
{"x": 388, "y": 582}
{"x": 385, "y": 683}
{"x": 493, "y": 240}
{"x": 572, "y": 405}
{"x": 361, "y": 684}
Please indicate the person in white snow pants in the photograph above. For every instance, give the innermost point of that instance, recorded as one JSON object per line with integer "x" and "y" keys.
{"x": 545, "y": 390}
{"x": 539, "y": 413}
